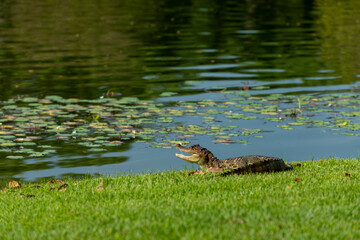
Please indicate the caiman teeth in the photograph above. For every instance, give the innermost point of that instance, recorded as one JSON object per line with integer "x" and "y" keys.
{"x": 180, "y": 154}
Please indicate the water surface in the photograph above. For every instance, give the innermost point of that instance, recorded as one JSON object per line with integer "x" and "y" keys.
{"x": 170, "y": 53}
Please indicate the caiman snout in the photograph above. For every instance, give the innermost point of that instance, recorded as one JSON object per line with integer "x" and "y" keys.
{"x": 194, "y": 158}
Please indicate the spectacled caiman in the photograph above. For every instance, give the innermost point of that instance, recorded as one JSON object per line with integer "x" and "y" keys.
{"x": 238, "y": 165}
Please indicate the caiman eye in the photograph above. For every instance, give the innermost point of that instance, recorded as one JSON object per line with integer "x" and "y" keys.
{"x": 195, "y": 147}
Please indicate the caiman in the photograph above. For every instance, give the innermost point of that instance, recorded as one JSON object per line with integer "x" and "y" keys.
{"x": 237, "y": 165}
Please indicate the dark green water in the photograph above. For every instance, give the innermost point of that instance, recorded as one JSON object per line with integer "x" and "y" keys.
{"x": 171, "y": 52}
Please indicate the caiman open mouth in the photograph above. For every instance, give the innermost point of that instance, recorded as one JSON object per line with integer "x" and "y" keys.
{"x": 194, "y": 158}
{"x": 191, "y": 159}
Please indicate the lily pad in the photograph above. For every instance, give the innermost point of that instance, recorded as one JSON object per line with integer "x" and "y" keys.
{"x": 14, "y": 157}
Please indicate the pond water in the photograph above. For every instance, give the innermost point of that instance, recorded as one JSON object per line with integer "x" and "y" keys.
{"x": 107, "y": 87}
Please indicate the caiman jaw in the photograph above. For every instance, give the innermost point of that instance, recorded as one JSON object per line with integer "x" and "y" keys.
{"x": 191, "y": 159}
{"x": 194, "y": 158}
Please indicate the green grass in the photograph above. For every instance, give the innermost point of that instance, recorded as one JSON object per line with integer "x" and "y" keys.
{"x": 318, "y": 200}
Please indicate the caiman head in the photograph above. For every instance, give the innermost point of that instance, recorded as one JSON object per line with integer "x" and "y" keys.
{"x": 201, "y": 156}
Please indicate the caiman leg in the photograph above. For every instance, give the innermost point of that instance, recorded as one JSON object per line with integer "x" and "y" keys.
{"x": 209, "y": 170}
{"x": 214, "y": 170}
{"x": 195, "y": 172}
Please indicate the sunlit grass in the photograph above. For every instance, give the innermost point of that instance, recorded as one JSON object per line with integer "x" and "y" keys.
{"x": 318, "y": 200}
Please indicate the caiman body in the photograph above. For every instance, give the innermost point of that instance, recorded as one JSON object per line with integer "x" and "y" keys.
{"x": 237, "y": 165}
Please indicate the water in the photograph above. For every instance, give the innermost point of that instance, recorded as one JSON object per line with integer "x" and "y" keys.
{"x": 186, "y": 51}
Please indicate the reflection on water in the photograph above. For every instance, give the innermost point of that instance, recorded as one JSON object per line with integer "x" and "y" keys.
{"x": 190, "y": 48}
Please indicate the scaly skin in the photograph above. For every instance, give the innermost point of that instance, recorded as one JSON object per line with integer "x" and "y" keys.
{"x": 238, "y": 165}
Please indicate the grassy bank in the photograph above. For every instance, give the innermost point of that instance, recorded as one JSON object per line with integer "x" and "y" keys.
{"x": 318, "y": 200}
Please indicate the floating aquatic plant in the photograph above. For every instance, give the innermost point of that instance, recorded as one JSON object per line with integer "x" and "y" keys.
{"x": 34, "y": 128}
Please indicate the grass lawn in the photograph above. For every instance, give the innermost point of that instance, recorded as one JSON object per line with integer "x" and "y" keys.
{"x": 318, "y": 200}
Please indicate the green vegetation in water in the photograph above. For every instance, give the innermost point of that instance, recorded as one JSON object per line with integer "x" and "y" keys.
{"x": 318, "y": 200}
{"x": 32, "y": 127}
